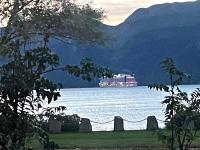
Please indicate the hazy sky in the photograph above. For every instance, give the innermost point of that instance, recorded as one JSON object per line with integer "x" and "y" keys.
{"x": 117, "y": 10}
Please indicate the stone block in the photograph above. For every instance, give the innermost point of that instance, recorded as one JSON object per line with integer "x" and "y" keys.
{"x": 54, "y": 125}
{"x": 152, "y": 123}
{"x": 85, "y": 125}
{"x": 118, "y": 123}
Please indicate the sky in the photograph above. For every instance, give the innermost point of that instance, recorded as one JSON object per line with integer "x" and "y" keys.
{"x": 117, "y": 11}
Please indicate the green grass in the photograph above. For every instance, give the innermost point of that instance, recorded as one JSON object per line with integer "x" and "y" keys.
{"x": 124, "y": 139}
{"x": 105, "y": 139}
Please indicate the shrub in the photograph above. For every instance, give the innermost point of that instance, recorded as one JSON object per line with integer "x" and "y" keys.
{"x": 70, "y": 123}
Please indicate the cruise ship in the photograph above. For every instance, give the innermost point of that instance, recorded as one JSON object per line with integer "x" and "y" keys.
{"x": 119, "y": 80}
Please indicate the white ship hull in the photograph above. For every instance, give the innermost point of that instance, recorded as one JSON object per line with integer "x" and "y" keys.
{"x": 118, "y": 86}
{"x": 120, "y": 80}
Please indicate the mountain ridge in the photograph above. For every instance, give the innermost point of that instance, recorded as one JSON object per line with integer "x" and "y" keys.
{"x": 139, "y": 44}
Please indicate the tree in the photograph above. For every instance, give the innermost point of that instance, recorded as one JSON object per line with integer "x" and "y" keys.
{"x": 31, "y": 24}
{"x": 182, "y": 111}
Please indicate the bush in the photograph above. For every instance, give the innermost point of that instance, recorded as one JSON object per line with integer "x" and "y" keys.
{"x": 45, "y": 125}
{"x": 181, "y": 117}
{"x": 70, "y": 127}
{"x": 70, "y": 123}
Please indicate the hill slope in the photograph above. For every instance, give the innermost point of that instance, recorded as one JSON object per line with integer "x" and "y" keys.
{"x": 141, "y": 42}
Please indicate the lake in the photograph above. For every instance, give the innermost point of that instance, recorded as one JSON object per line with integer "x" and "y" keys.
{"x": 102, "y": 104}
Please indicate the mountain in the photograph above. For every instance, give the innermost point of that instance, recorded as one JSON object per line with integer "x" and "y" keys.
{"x": 139, "y": 44}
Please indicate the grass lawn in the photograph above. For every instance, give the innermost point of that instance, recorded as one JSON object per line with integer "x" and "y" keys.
{"x": 126, "y": 139}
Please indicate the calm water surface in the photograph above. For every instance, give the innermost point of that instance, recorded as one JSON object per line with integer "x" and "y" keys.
{"x": 102, "y": 104}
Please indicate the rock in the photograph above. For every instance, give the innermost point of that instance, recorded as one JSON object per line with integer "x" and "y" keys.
{"x": 152, "y": 123}
{"x": 54, "y": 125}
{"x": 85, "y": 125}
{"x": 118, "y": 123}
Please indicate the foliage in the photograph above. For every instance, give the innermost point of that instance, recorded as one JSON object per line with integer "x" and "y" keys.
{"x": 70, "y": 123}
{"x": 182, "y": 110}
{"x": 24, "y": 90}
{"x": 39, "y": 20}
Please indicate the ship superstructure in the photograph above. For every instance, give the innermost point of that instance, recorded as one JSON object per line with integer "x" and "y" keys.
{"x": 119, "y": 80}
